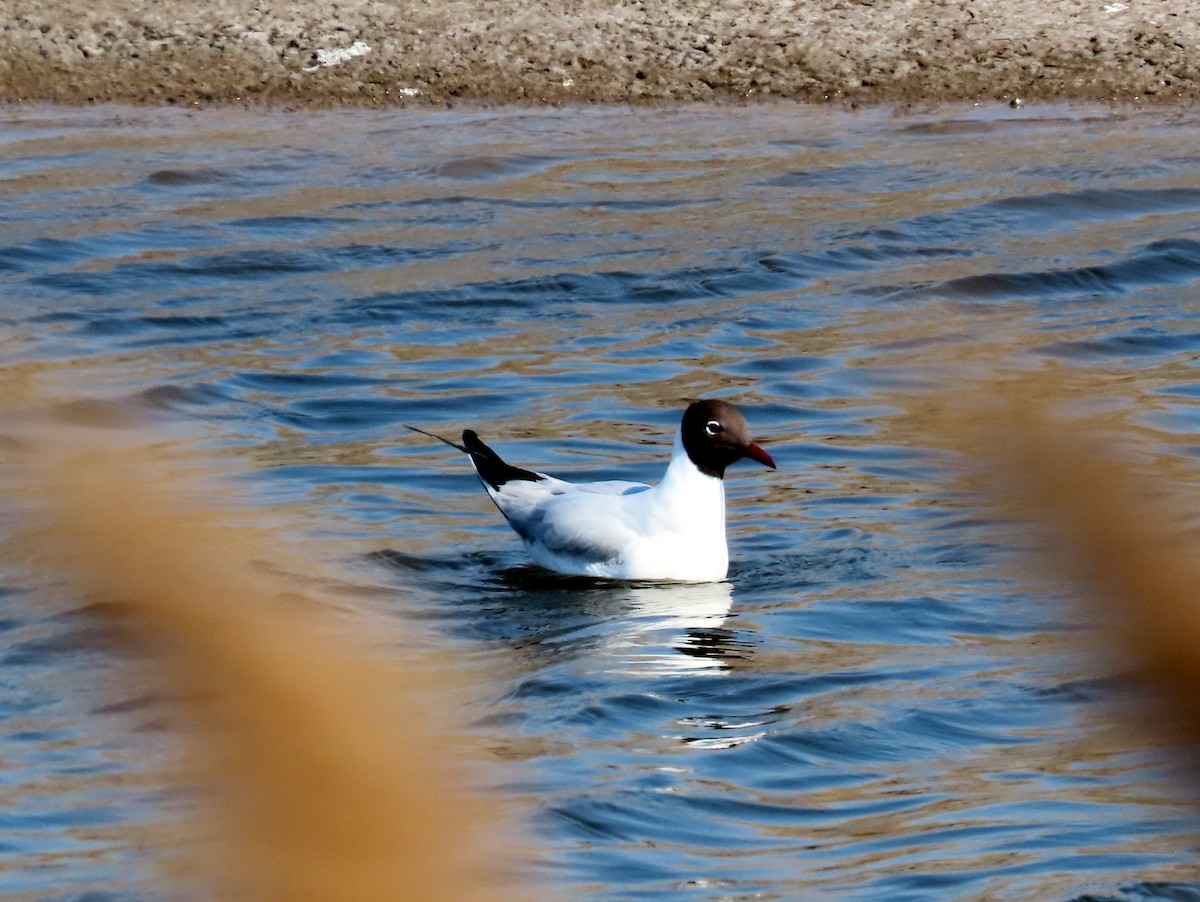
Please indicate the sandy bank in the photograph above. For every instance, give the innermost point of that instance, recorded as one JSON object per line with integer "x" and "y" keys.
{"x": 364, "y": 51}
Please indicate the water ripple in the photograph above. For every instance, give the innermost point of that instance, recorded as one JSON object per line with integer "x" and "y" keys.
{"x": 878, "y": 705}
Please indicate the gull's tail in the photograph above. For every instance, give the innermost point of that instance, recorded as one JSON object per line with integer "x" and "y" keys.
{"x": 490, "y": 466}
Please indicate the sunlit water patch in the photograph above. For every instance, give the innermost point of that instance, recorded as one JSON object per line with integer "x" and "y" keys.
{"x": 876, "y": 705}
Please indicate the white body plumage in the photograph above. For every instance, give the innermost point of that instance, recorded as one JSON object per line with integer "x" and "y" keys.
{"x": 622, "y": 530}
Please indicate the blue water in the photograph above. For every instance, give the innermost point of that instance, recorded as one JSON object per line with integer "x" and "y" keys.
{"x": 877, "y": 704}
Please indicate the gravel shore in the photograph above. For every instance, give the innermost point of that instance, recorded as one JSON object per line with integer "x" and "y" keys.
{"x": 378, "y": 53}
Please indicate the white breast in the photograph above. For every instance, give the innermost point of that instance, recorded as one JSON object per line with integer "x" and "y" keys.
{"x": 672, "y": 531}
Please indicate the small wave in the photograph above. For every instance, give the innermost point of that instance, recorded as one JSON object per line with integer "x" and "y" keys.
{"x": 1173, "y": 261}
{"x": 487, "y": 168}
{"x": 185, "y": 178}
{"x": 1103, "y": 202}
{"x": 1142, "y": 343}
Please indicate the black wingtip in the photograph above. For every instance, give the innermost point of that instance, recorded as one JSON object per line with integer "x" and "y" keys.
{"x": 490, "y": 466}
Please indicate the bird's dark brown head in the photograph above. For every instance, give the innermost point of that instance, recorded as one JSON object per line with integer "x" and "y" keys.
{"x": 715, "y": 435}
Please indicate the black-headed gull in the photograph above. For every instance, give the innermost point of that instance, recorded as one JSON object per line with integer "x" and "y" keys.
{"x": 627, "y": 530}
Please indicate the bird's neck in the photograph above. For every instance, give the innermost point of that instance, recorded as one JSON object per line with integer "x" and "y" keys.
{"x": 684, "y": 486}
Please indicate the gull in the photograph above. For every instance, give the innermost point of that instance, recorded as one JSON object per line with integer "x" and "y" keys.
{"x": 672, "y": 531}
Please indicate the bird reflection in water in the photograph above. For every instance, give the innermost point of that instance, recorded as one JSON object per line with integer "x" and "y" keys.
{"x": 667, "y": 628}
{"x": 677, "y": 627}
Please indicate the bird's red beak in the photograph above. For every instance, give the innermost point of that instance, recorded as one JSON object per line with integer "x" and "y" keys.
{"x": 756, "y": 453}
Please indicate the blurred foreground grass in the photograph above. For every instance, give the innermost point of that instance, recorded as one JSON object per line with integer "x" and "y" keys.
{"x": 1112, "y": 516}
{"x": 327, "y": 770}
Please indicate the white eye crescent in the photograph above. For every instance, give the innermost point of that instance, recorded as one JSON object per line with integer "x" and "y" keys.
{"x": 712, "y": 427}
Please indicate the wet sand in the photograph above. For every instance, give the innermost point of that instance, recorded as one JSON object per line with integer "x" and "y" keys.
{"x": 367, "y": 52}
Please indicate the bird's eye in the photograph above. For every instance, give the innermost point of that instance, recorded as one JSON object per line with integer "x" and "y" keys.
{"x": 712, "y": 427}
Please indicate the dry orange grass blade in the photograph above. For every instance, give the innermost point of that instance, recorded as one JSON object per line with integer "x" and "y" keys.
{"x": 332, "y": 778}
{"x": 1125, "y": 534}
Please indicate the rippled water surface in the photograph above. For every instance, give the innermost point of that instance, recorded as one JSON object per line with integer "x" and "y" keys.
{"x": 875, "y": 705}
